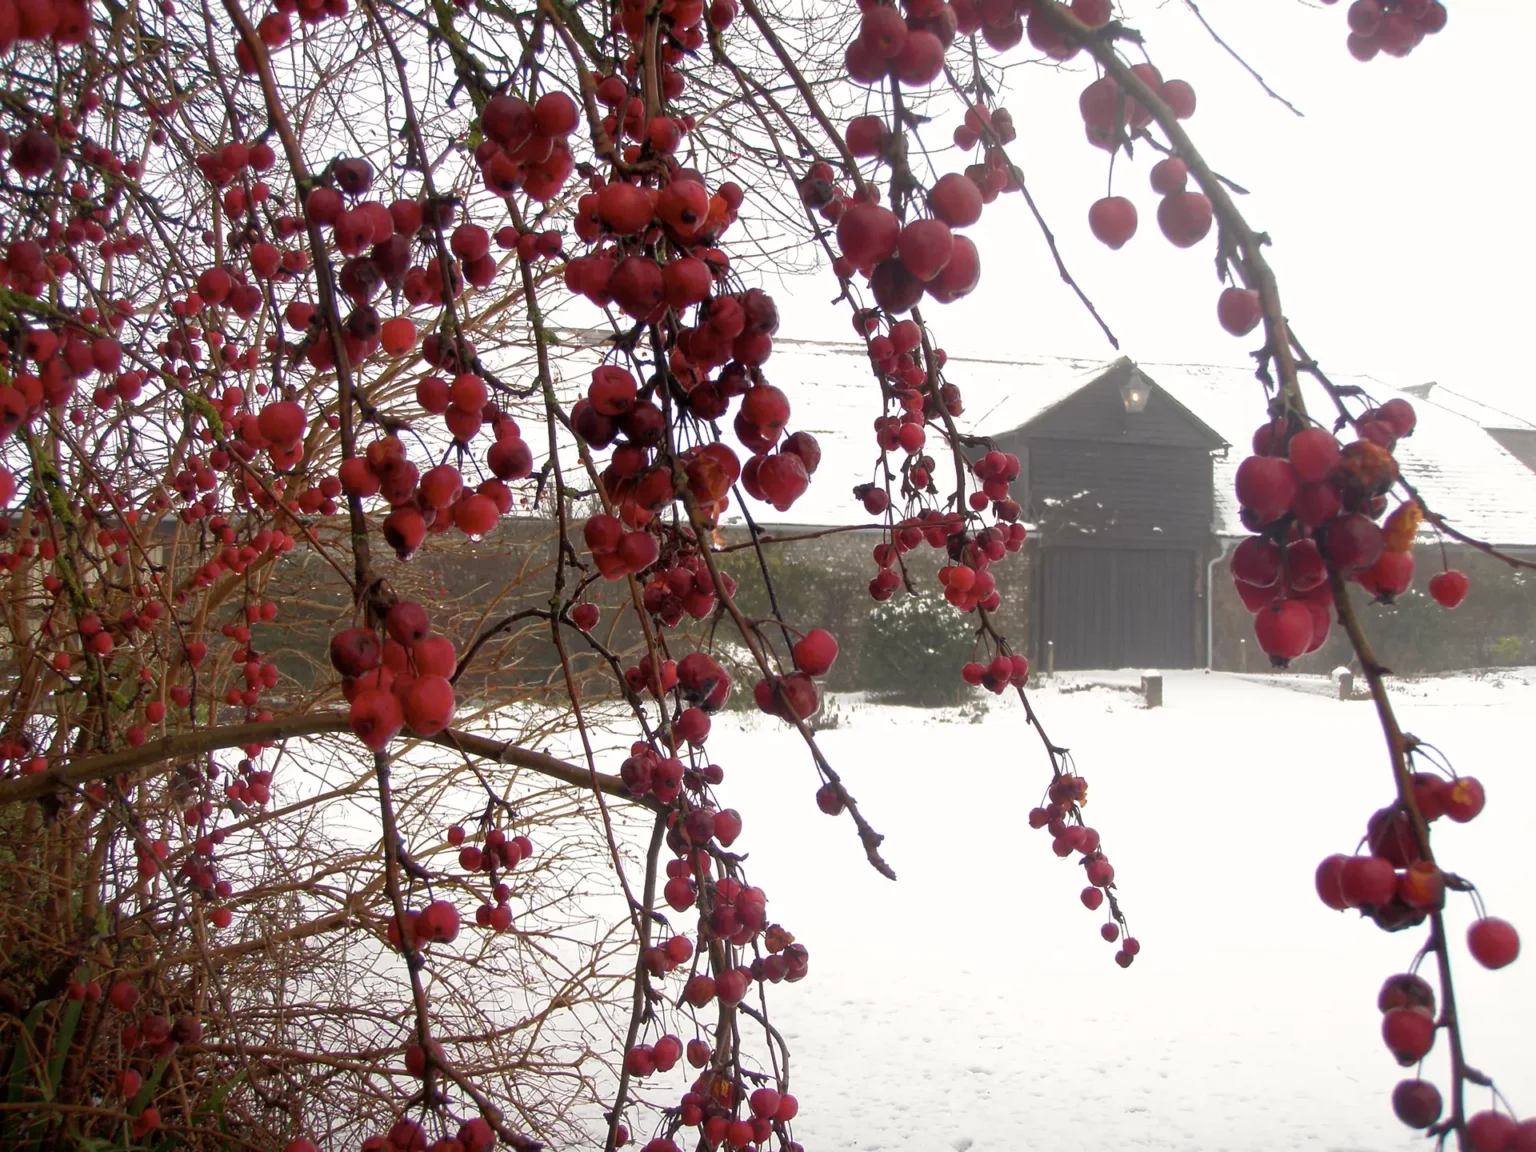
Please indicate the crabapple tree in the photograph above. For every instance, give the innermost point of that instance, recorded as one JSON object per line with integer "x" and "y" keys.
{"x": 288, "y": 860}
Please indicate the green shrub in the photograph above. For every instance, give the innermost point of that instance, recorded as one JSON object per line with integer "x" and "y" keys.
{"x": 913, "y": 649}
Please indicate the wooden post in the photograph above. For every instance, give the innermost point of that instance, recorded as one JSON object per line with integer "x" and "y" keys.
{"x": 1050, "y": 658}
{"x": 1152, "y": 689}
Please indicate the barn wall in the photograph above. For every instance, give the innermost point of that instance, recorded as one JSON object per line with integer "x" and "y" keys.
{"x": 1116, "y": 493}
{"x": 1519, "y": 443}
{"x": 1123, "y": 506}
{"x": 1117, "y": 608}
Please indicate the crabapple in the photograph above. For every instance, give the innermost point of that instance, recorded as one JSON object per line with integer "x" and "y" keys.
{"x": 1449, "y": 588}
{"x": 1494, "y": 943}
{"x": 1113, "y": 220}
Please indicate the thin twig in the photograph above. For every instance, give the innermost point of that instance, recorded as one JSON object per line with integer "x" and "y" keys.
{"x": 1232, "y": 52}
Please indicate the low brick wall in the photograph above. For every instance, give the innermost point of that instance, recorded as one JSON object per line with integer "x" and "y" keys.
{"x": 817, "y": 583}
{"x": 1495, "y": 625}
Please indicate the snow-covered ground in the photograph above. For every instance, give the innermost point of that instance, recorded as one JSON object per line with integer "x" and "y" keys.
{"x": 973, "y": 1005}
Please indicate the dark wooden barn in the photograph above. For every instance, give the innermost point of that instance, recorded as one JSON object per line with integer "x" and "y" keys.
{"x": 1118, "y": 478}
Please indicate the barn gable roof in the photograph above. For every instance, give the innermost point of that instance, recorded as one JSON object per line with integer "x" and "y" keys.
{"x": 1113, "y": 377}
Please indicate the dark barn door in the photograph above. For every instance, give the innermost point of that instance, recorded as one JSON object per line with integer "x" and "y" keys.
{"x": 1117, "y": 607}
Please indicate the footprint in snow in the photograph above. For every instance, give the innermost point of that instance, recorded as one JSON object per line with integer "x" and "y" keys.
{"x": 961, "y": 1144}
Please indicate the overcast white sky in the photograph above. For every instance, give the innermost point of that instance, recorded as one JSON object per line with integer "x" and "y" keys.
{"x": 1399, "y": 205}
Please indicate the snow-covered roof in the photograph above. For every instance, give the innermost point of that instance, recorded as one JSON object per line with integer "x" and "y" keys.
{"x": 1483, "y": 414}
{"x": 1465, "y": 475}
{"x": 1461, "y": 471}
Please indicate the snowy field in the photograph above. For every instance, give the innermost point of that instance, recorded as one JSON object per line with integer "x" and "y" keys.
{"x": 973, "y": 1005}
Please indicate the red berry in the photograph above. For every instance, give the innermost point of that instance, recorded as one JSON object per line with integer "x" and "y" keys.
{"x": 1490, "y": 1132}
{"x": 956, "y": 200}
{"x": 828, "y": 800}
{"x": 282, "y": 424}
{"x": 868, "y": 136}
{"x": 407, "y": 622}
{"x": 1408, "y": 1034}
{"x": 612, "y": 391}
{"x": 1283, "y": 629}
{"x": 727, "y": 826}
{"x": 732, "y": 986}
{"x": 1314, "y": 453}
{"x": 960, "y": 276}
{"x": 1405, "y": 990}
{"x": 667, "y": 1051}
{"x": 1256, "y": 562}
{"x": 1329, "y": 882}
{"x": 1266, "y": 485}
{"x": 1093, "y": 13}
{"x": 1113, "y": 220}
{"x": 815, "y": 652}
{"x": 867, "y": 234}
{"x": 376, "y": 716}
{"x": 1494, "y": 943}
{"x": 1353, "y": 543}
{"x": 1464, "y": 799}
{"x": 1390, "y": 834}
{"x": 1449, "y": 588}
{"x": 428, "y": 705}
{"x": 1179, "y": 95}
{"x": 1185, "y": 218}
{"x": 1429, "y": 793}
{"x": 1416, "y": 1103}
{"x": 1365, "y": 17}
{"x": 1400, "y": 414}
{"x": 438, "y": 921}
{"x": 1169, "y": 176}
{"x": 1239, "y": 310}
{"x": 1368, "y": 881}
{"x": 640, "y": 1060}
{"x": 1390, "y": 576}
{"x": 1316, "y": 504}
{"x": 894, "y": 286}
{"x": 924, "y": 246}
{"x": 693, "y": 726}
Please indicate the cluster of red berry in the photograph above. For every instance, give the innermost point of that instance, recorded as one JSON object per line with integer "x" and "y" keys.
{"x": 1399, "y": 885}
{"x": 1315, "y": 505}
{"x": 403, "y": 682}
{"x": 1062, "y": 817}
{"x": 1395, "y": 27}
{"x": 501, "y": 854}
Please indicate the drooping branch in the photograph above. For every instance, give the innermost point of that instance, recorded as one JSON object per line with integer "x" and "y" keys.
{"x": 1232, "y": 52}
{"x": 1252, "y": 265}
{"x": 72, "y": 774}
